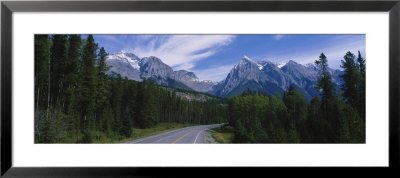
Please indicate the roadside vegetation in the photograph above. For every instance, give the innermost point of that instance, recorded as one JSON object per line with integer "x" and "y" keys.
{"x": 222, "y": 134}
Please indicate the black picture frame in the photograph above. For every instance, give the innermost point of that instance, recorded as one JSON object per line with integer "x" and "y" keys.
{"x": 8, "y": 7}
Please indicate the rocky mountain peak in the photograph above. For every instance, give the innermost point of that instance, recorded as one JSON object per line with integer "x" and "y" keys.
{"x": 153, "y": 68}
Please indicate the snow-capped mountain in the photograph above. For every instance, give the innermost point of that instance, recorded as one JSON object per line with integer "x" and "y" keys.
{"x": 264, "y": 76}
{"x": 247, "y": 74}
{"x": 152, "y": 68}
{"x": 270, "y": 77}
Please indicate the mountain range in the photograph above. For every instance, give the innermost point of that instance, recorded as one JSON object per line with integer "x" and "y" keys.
{"x": 263, "y": 76}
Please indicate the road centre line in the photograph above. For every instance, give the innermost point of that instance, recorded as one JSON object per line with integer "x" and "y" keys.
{"x": 180, "y": 138}
{"x": 160, "y": 135}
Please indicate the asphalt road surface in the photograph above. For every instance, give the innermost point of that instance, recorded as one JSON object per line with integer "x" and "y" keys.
{"x": 188, "y": 135}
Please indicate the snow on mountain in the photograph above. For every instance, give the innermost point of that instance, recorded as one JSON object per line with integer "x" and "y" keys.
{"x": 129, "y": 58}
{"x": 245, "y": 74}
{"x": 281, "y": 65}
{"x": 271, "y": 77}
{"x": 125, "y": 64}
{"x": 260, "y": 66}
{"x": 265, "y": 76}
{"x": 152, "y": 68}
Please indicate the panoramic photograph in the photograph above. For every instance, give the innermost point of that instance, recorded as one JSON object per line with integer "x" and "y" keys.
{"x": 199, "y": 89}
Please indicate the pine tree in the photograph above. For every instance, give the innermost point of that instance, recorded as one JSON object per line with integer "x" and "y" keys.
{"x": 361, "y": 63}
{"x": 71, "y": 71}
{"x": 314, "y": 121}
{"x": 126, "y": 124}
{"x": 361, "y": 69}
{"x": 139, "y": 117}
{"x": 296, "y": 105}
{"x": 328, "y": 120}
{"x": 102, "y": 84}
{"x": 351, "y": 80}
{"x": 297, "y": 108}
{"x": 324, "y": 83}
{"x": 147, "y": 112}
{"x": 57, "y": 67}
{"x": 42, "y": 61}
{"x": 116, "y": 100}
{"x": 88, "y": 82}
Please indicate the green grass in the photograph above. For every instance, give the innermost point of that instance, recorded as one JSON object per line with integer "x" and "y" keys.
{"x": 222, "y": 134}
{"x": 103, "y": 137}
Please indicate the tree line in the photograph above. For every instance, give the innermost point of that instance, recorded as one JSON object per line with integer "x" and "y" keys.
{"x": 77, "y": 101}
{"x": 332, "y": 117}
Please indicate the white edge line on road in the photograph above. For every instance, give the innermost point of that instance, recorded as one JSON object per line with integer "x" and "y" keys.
{"x": 198, "y": 135}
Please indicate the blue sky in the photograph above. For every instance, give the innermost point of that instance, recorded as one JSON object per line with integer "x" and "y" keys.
{"x": 211, "y": 57}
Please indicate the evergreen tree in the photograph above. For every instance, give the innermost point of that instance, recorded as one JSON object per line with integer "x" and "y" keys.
{"x": 351, "y": 79}
{"x": 57, "y": 67}
{"x": 297, "y": 108}
{"x": 126, "y": 124}
{"x": 324, "y": 83}
{"x": 140, "y": 107}
{"x": 42, "y": 61}
{"x": 314, "y": 122}
{"x": 116, "y": 100}
{"x": 328, "y": 120}
{"x": 88, "y": 82}
{"x": 352, "y": 127}
{"x": 361, "y": 63}
{"x": 71, "y": 71}
{"x": 361, "y": 69}
{"x": 103, "y": 93}
{"x": 296, "y": 105}
{"x": 149, "y": 110}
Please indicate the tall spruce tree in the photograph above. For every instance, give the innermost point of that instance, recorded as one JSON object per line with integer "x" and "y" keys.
{"x": 88, "y": 82}
{"x": 361, "y": 69}
{"x": 297, "y": 108}
{"x": 314, "y": 121}
{"x": 351, "y": 79}
{"x": 324, "y": 83}
{"x": 42, "y": 61}
{"x": 146, "y": 115}
{"x": 328, "y": 120}
{"x": 116, "y": 102}
{"x": 296, "y": 105}
{"x": 126, "y": 123}
{"x": 102, "y": 81}
{"x": 57, "y": 67}
{"x": 361, "y": 63}
{"x": 72, "y": 71}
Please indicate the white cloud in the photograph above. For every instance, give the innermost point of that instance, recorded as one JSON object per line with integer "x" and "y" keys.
{"x": 216, "y": 73}
{"x": 182, "y": 51}
{"x": 333, "y": 53}
{"x": 278, "y": 37}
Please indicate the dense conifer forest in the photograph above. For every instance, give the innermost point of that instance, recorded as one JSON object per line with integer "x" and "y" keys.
{"x": 76, "y": 101}
{"x": 334, "y": 117}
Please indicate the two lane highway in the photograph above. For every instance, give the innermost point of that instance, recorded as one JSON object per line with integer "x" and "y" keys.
{"x": 188, "y": 135}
